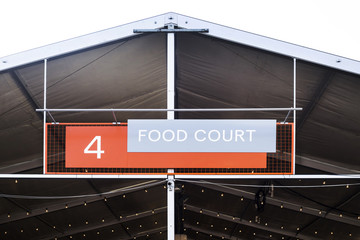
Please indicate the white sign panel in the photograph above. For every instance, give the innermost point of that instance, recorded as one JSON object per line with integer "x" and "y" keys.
{"x": 202, "y": 136}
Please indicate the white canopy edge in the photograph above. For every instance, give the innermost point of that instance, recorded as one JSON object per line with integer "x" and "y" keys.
{"x": 215, "y": 30}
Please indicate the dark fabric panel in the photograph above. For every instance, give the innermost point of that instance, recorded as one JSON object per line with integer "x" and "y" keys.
{"x": 212, "y": 73}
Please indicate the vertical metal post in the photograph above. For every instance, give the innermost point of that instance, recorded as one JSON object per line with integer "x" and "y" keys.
{"x": 170, "y": 74}
{"x": 45, "y": 112}
{"x": 294, "y": 106}
{"x": 171, "y": 208}
{"x": 170, "y": 116}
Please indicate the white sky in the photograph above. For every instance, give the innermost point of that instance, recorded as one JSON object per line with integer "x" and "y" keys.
{"x": 326, "y": 25}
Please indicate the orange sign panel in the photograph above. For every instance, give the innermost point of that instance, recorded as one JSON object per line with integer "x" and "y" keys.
{"x": 106, "y": 147}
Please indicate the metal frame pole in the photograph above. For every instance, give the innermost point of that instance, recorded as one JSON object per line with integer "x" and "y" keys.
{"x": 171, "y": 208}
{"x": 44, "y": 123}
{"x": 170, "y": 116}
{"x": 294, "y": 126}
{"x": 170, "y": 75}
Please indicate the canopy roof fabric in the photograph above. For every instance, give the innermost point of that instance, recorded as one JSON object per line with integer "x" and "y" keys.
{"x": 224, "y": 68}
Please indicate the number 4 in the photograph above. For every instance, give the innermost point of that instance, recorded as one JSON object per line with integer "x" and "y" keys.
{"x": 98, "y": 150}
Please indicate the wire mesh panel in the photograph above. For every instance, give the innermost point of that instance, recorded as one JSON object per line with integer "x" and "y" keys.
{"x": 279, "y": 162}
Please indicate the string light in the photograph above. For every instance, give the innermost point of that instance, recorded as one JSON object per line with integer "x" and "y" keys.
{"x": 197, "y": 223}
{"x": 105, "y": 199}
{"x": 201, "y": 211}
{"x": 146, "y": 190}
{"x": 27, "y": 213}
{"x": 16, "y": 181}
{"x": 21, "y": 230}
{"x": 301, "y": 209}
{"x": 69, "y": 224}
{"x": 316, "y": 232}
{"x": 156, "y": 222}
{"x": 242, "y": 199}
{"x": 103, "y": 220}
{"x": 320, "y": 212}
{"x": 37, "y": 229}
{"x": 46, "y": 210}
{"x": 9, "y": 216}
{"x": 332, "y": 233}
{"x": 124, "y": 196}
{"x": 97, "y": 233}
{"x": 211, "y": 225}
{"x": 66, "y": 206}
{"x": 202, "y": 190}
{"x": 112, "y": 230}
{"x": 222, "y": 194}
{"x": 140, "y": 226}
{"x": 86, "y": 222}
{"x": 282, "y": 206}
{"x": 85, "y": 204}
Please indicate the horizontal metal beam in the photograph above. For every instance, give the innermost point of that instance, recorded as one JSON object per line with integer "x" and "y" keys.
{"x": 324, "y": 165}
{"x": 83, "y": 176}
{"x": 266, "y": 176}
{"x": 166, "y": 30}
{"x": 283, "y": 203}
{"x": 44, "y": 209}
{"x": 213, "y": 233}
{"x": 167, "y": 110}
{"x": 23, "y": 165}
{"x": 107, "y": 223}
{"x": 246, "y": 222}
{"x": 177, "y": 176}
{"x": 146, "y": 233}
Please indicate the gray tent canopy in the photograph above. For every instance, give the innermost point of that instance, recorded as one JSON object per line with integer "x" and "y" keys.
{"x": 223, "y": 68}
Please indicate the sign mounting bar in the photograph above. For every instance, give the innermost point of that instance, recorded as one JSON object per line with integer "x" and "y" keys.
{"x": 169, "y": 30}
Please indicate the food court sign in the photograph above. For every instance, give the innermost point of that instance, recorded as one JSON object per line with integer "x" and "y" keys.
{"x": 165, "y": 144}
{"x": 202, "y": 136}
